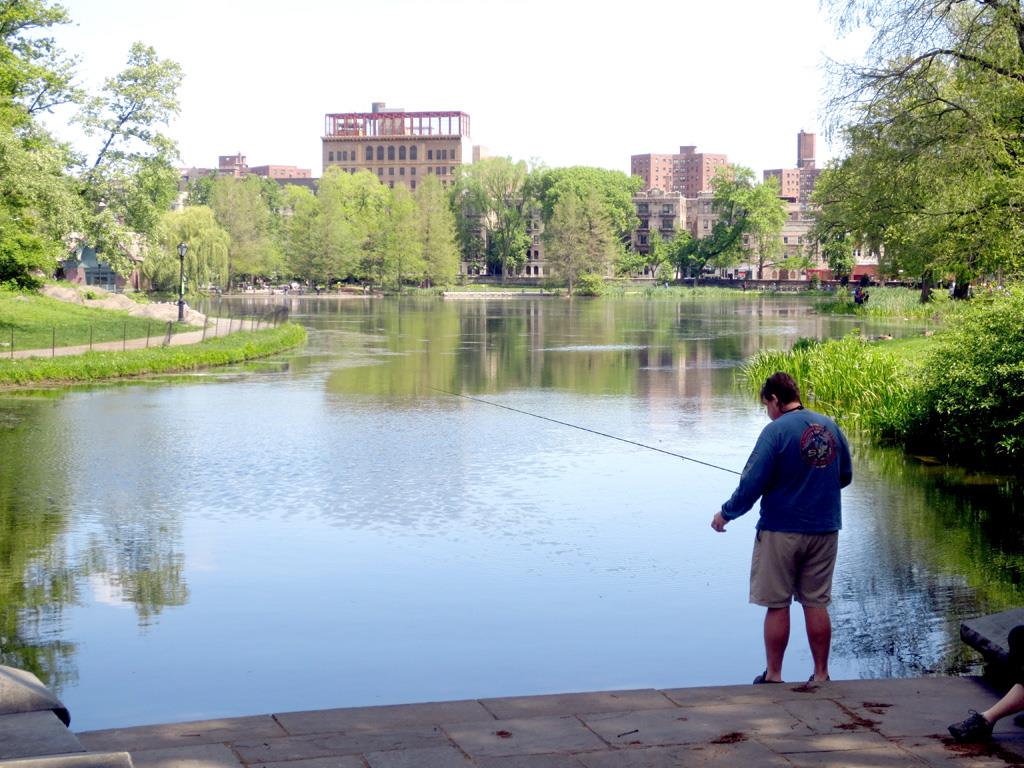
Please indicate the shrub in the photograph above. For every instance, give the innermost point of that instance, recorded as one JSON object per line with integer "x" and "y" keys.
{"x": 970, "y": 397}
{"x": 589, "y": 285}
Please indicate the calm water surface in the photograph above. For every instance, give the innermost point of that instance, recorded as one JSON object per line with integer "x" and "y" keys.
{"x": 327, "y": 529}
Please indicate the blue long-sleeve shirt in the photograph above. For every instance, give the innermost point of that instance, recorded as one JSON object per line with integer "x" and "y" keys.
{"x": 798, "y": 465}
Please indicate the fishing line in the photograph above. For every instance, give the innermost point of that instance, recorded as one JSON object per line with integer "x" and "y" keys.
{"x": 583, "y": 429}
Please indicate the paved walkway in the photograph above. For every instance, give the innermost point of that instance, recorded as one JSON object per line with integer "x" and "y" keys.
{"x": 218, "y": 327}
{"x": 850, "y": 723}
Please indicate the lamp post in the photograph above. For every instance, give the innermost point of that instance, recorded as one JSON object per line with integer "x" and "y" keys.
{"x": 182, "y": 250}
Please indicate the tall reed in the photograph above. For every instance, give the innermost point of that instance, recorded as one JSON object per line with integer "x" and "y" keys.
{"x": 858, "y": 383}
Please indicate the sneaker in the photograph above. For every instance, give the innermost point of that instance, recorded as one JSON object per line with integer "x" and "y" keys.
{"x": 974, "y": 729}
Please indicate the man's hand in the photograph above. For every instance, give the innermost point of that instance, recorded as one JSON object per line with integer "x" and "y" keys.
{"x": 718, "y": 522}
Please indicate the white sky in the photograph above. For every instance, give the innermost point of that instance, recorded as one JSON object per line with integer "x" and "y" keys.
{"x": 568, "y": 82}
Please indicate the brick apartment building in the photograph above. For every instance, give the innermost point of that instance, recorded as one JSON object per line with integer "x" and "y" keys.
{"x": 688, "y": 173}
{"x": 798, "y": 183}
{"x": 398, "y": 146}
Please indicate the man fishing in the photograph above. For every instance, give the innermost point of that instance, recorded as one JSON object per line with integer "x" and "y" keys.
{"x": 799, "y": 464}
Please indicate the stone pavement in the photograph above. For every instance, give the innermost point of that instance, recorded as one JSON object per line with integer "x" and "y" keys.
{"x": 844, "y": 723}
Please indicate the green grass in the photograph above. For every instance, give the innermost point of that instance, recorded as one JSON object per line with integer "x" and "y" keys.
{"x": 95, "y": 366}
{"x": 891, "y": 302}
{"x": 37, "y": 321}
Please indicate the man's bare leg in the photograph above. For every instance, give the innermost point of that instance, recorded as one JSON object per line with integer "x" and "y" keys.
{"x": 776, "y": 638}
{"x": 819, "y": 637}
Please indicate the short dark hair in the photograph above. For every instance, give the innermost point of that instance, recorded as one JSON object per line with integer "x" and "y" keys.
{"x": 781, "y": 385}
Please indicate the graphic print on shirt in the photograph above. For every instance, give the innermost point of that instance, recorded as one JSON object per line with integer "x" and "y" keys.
{"x": 818, "y": 446}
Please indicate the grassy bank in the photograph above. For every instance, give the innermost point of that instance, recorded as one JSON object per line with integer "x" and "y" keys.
{"x": 96, "y": 366}
{"x": 32, "y": 321}
{"x": 958, "y": 395}
{"x": 891, "y": 302}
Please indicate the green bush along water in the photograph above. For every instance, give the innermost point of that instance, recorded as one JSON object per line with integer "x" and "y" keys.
{"x": 959, "y": 395}
{"x": 890, "y": 302}
{"x": 92, "y": 366}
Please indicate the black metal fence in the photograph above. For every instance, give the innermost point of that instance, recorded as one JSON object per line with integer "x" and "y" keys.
{"x": 157, "y": 332}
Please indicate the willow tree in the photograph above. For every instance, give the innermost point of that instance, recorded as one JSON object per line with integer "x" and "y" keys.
{"x": 206, "y": 260}
{"x": 492, "y": 196}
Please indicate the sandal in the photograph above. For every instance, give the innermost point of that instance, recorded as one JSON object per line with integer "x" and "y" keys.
{"x": 762, "y": 679}
{"x": 812, "y": 680}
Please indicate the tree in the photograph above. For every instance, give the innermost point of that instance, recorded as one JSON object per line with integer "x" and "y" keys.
{"x": 764, "y": 215}
{"x": 131, "y": 180}
{"x": 614, "y": 189}
{"x": 39, "y": 205}
{"x": 242, "y": 210}
{"x": 493, "y": 192}
{"x": 35, "y": 74}
{"x": 838, "y": 254}
{"x": 437, "y": 233}
{"x": 933, "y": 106}
{"x": 579, "y": 239}
{"x": 401, "y": 251}
{"x": 206, "y": 261}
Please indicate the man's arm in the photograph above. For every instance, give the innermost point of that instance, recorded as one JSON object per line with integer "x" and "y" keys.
{"x": 752, "y": 483}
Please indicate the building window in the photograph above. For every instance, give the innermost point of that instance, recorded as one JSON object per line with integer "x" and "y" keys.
{"x": 643, "y": 239}
{"x": 444, "y": 154}
{"x": 369, "y": 153}
{"x": 430, "y": 169}
{"x": 401, "y": 171}
{"x": 412, "y": 152}
{"x": 380, "y": 171}
{"x": 330, "y": 157}
{"x": 412, "y": 171}
{"x": 666, "y": 223}
{"x": 391, "y": 184}
{"x": 641, "y": 208}
{"x": 344, "y": 155}
{"x": 430, "y": 154}
{"x": 391, "y": 171}
{"x": 380, "y": 153}
{"x": 401, "y": 153}
{"x": 413, "y": 183}
{"x": 391, "y": 152}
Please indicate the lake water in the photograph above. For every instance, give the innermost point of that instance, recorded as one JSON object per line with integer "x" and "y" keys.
{"x": 326, "y": 528}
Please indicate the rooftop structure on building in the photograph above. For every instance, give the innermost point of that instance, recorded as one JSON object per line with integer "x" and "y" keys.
{"x": 687, "y": 173}
{"x": 797, "y": 184}
{"x": 398, "y": 146}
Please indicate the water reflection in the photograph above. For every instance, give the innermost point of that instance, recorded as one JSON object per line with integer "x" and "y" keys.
{"x": 237, "y": 522}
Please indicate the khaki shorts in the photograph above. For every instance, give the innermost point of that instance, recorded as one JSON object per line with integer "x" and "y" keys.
{"x": 788, "y": 565}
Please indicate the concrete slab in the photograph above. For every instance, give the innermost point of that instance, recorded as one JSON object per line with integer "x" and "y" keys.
{"x": 29, "y": 734}
{"x": 90, "y": 760}
{"x": 825, "y": 742}
{"x": 662, "y": 727}
{"x": 746, "y": 694}
{"x": 431, "y": 757}
{"x": 745, "y": 753}
{"x": 576, "y": 703}
{"x": 529, "y": 761}
{"x": 987, "y": 634}
{"x": 350, "y": 761}
{"x": 884, "y": 757}
{"x": 393, "y": 717}
{"x": 337, "y": 744}
{"x": 182, "y": 734}
{"x": 944, "y": 753}
{"x": 21, "y": 691}
{"x": 524, "y": 736}
{"x": 201, "y": 756}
